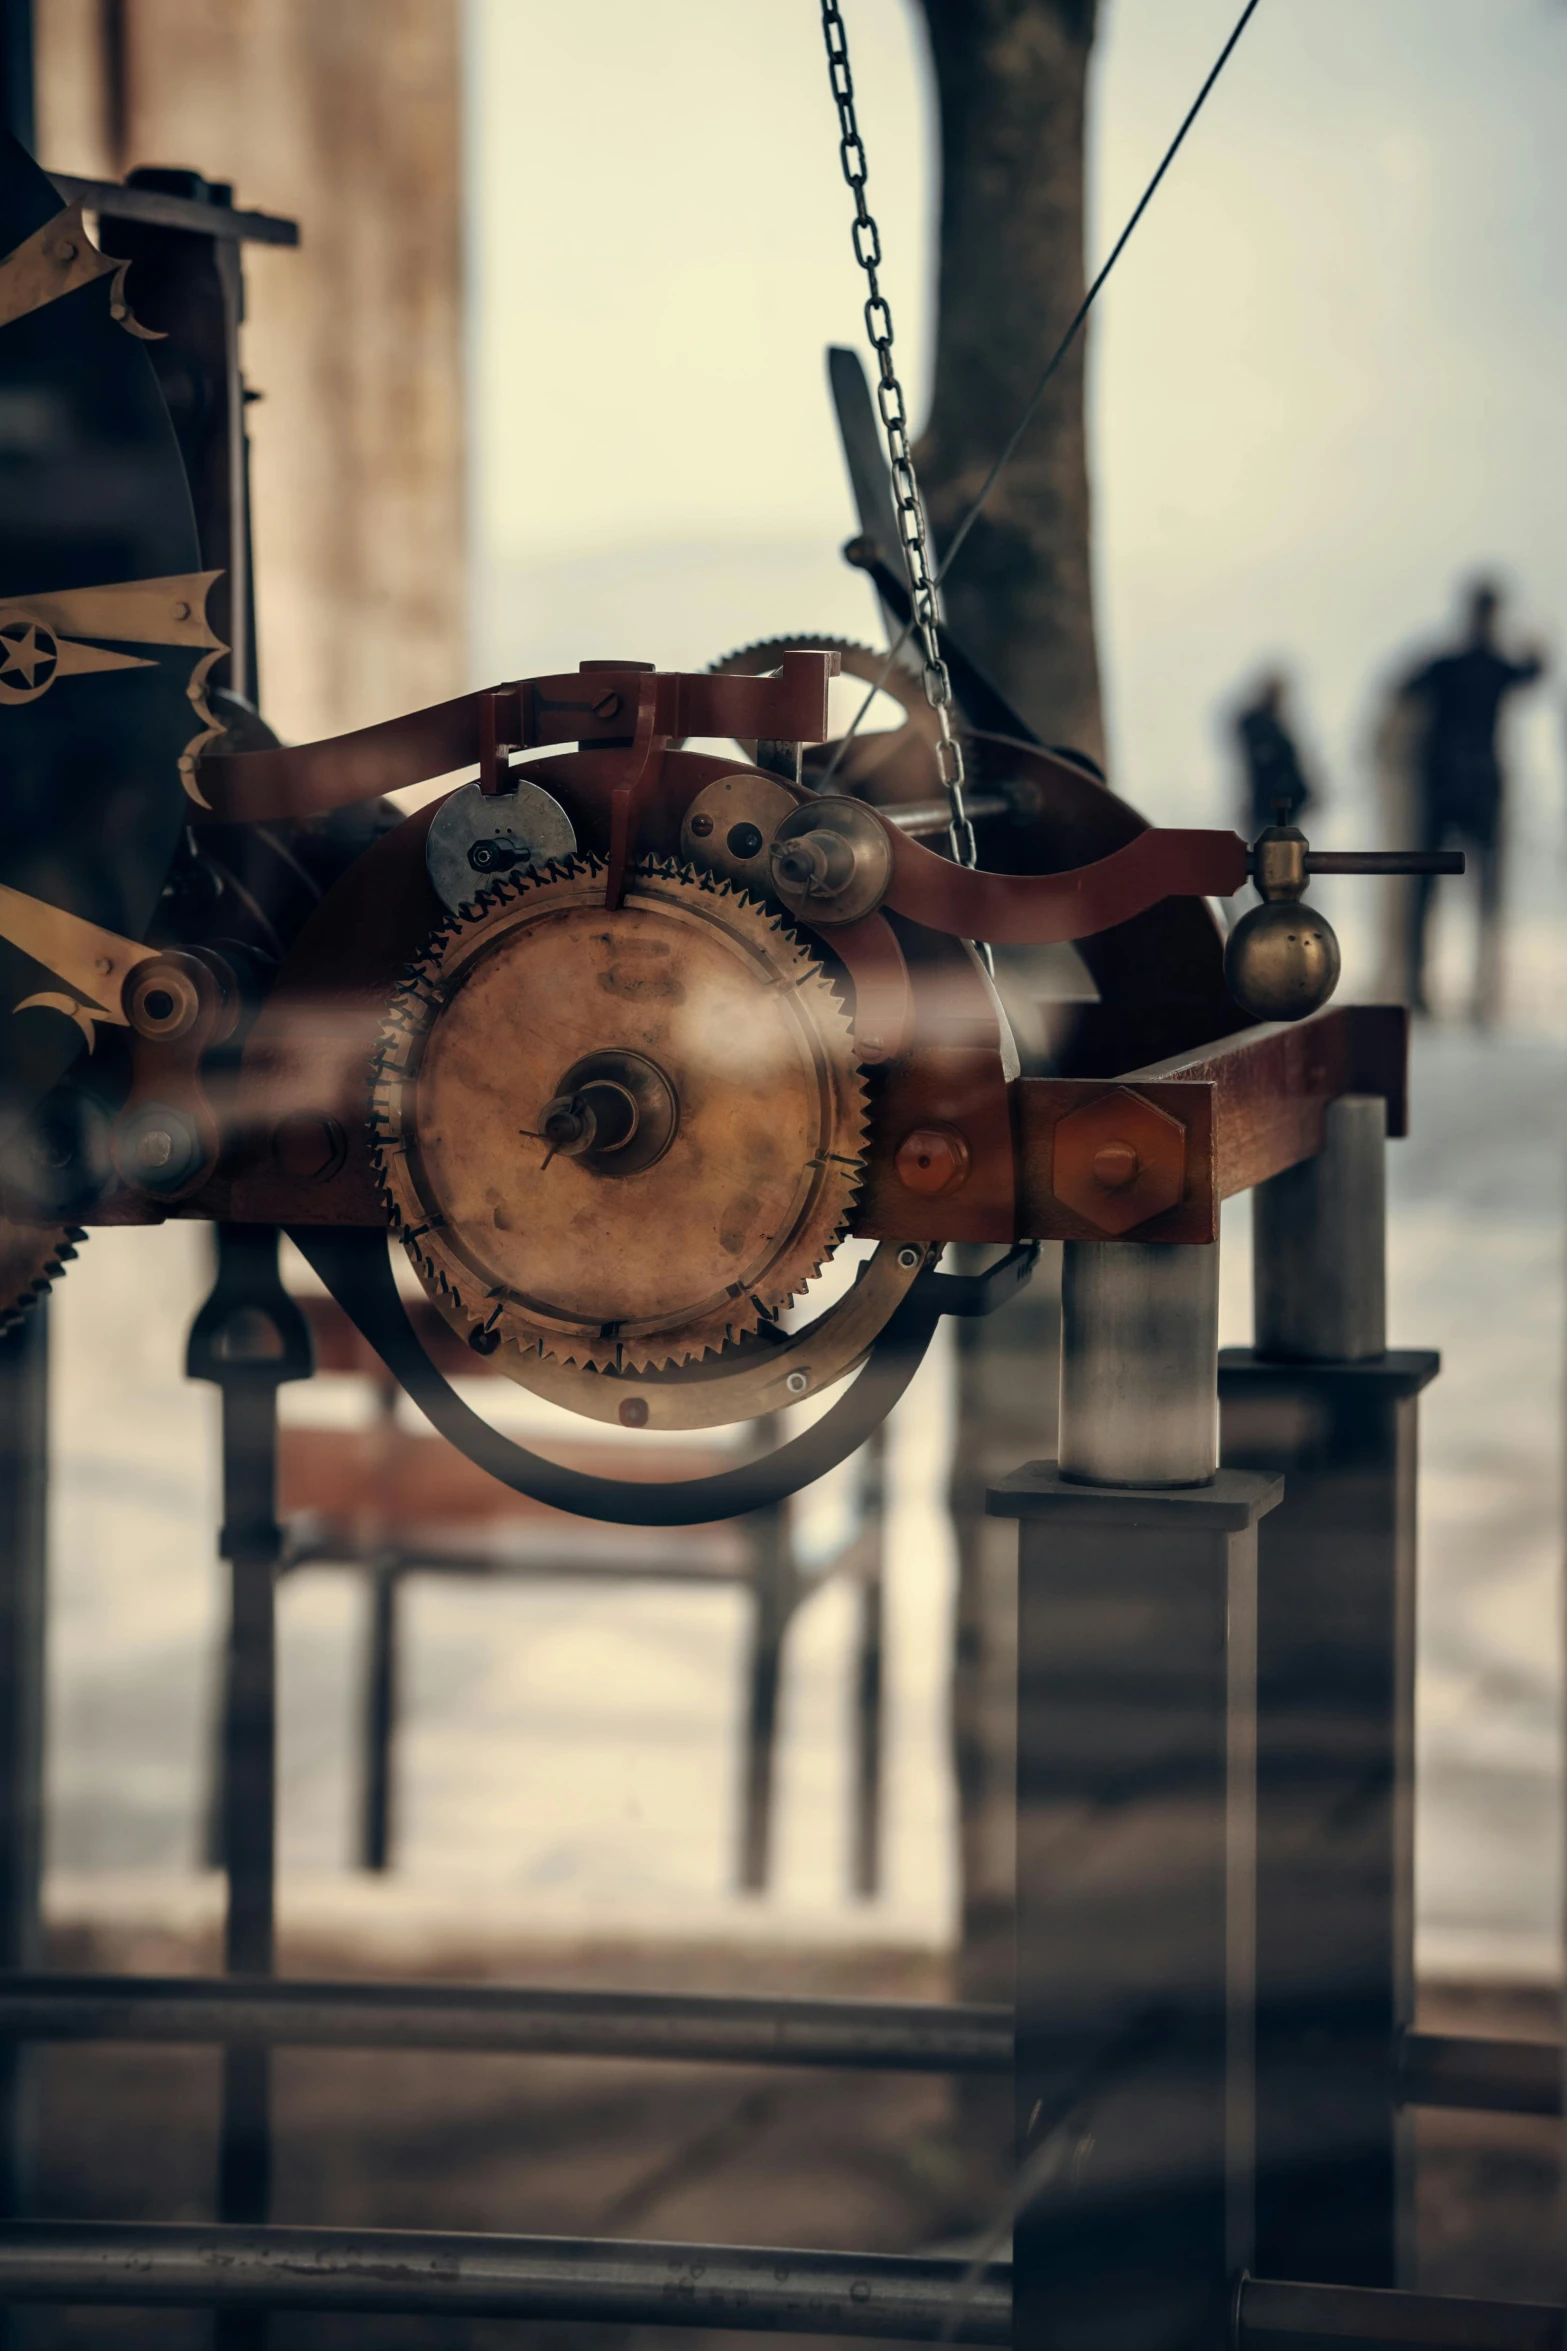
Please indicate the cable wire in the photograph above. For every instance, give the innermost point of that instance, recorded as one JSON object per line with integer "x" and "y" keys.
{"x": 1031, "y": 407}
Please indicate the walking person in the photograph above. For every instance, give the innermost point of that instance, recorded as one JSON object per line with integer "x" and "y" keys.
{"x": 1460, "y": 788}
{"x": 1273, "y": 780}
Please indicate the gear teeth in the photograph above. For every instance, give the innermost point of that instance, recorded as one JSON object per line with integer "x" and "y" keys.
{"x": 414, "y": 1004}
{"x": 32, "y": 1260}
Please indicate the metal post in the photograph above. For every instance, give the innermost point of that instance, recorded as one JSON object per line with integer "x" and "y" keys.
{"x": 869, "y": 1677}
{"x": 380, "y": 1719}
{"x": 248, "y": 1338}
{"x": 1319, "y": 1399}
{"x": 1135, "y": 1721}
{"x": 1139, "y": 1346}
{"x": 773, "y": 1595}
{"x": 24, "y": 1489}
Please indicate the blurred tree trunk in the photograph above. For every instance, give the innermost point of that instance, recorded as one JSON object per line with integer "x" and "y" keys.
{"x": 1011, "y": 80}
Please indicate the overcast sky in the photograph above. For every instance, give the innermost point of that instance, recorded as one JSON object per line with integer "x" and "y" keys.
{"x": 1327, "y": 377}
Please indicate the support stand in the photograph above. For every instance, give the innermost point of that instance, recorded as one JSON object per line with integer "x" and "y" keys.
{"x": 1135, "y": 1800}
{"x": 24, "y": 1490}
{"x": 1320, "y": 1400}
{"x": 248, "y": 1338}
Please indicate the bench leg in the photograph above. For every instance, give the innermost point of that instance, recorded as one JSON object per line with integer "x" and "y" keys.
{"x": 380, "y": 1722}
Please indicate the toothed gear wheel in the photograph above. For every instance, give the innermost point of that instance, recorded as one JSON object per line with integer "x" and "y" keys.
{"x": 882, "y": 764}
{"x": 32, "y": 1259}
{"x": 613, "y": 1259}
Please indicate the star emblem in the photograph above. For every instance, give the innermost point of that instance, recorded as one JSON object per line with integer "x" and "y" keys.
{"x": 29, "y": 656}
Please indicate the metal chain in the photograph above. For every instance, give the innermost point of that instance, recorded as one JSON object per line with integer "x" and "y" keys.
{"x": 912, "y": 529}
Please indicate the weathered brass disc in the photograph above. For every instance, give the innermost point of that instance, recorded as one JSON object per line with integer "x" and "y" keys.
{"x": 661, "y": 1263}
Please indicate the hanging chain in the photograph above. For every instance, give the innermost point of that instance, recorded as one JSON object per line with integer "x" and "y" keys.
{"x": 894, "y": 416}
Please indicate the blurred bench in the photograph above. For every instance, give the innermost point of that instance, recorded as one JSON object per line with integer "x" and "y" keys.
{"x": 389, "y": 1502}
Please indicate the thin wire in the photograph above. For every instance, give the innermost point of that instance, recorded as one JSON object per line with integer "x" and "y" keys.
{"x": 1010, "y": 448}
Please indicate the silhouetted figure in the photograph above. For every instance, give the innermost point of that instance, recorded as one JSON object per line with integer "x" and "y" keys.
{"x": 1460, "y": 791}
{"x": 1273, "y": 773}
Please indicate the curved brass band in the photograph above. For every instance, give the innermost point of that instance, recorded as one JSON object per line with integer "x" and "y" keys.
{"x": 1037, "y": 910}
{"x": 710, "y": 1397}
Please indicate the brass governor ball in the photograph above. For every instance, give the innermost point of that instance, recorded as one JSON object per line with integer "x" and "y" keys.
{"x": 1281, "y": 960}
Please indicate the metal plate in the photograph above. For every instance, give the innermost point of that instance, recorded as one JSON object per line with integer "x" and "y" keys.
{"x": 476, "y": 838}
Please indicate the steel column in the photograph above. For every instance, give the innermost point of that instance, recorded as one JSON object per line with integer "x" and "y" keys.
{"x": 24, "y": 1489}
{"x": 1136, "y": 1594}
{"x": 248, "y": 1338}
{"x": 1319, "y": 1401}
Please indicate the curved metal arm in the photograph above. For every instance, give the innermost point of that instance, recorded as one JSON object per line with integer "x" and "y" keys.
{"x": 356, "y": 1267}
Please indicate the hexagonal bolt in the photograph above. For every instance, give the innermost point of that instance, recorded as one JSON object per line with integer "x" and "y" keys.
{"x": 932, "y": 1160}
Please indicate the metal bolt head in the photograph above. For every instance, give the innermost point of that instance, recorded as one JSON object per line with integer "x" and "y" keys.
{"x": 932, "y": 1160}
{"x": 1116, "y": 1164}
{"x": 797, "y": 1382}
{"x": 701, "y": 826}
{"x": 633, "y": 1412}
{"x": 1118, "y": 1161}
{"x": 155, "y": 1147}
{"x": 309, "y": 1145}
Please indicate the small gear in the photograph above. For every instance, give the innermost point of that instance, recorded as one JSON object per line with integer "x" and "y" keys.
{"x": 884, "y": 765}
{"x": 32, "y": 1258}
{"x": 621, "y": 1139}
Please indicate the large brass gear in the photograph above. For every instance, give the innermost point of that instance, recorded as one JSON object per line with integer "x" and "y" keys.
{"x": 32, "y": 1258}
{"x": 537, "y": 1008}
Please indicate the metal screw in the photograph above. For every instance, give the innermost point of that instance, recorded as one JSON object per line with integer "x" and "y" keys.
{"x": 701, "y": 826}
{"x": 909, "y": 1258}
{"x": 798, "y": 1382}
{"x": 156, "y": 1147}
{"x": 633, "y": 1412}
{"x": 1116, "y": 1164}
{"x": 607, "y": 706}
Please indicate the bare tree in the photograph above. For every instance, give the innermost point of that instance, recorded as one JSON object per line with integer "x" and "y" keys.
{"x": 1011, "y": 79}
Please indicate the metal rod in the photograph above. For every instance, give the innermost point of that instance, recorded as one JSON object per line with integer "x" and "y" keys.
{"x": 1384, "y": 861}
{"x": 882, "y": 2036}
{"x": 736, "y": 2287}
{"x": 175, "y": 212}
{"x": 24, "y": 1489}
{"x": 933, "y": 816}
{"x": 1491, "y": 2075}
{"x": 1271, "y": 2315}
{"x": 404, "y": 2271}
{"x": 380, "y": 1721}
{"x": 1435, "y": 2069}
